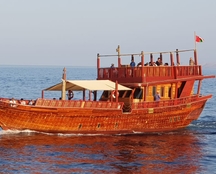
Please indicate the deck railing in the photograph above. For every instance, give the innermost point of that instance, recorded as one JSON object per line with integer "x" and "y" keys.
{"x": 162, "y": 72}
{"x": 165, "y": 103}
{"x": 111, "y": 105}
{"x": 78, "y": 104}
{"x": 142, "y": 73}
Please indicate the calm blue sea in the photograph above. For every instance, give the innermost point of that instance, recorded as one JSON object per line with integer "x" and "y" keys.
{"x": 189, "y": 150}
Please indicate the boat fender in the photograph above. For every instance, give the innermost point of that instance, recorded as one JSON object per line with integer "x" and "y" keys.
{"x": 114, "y": 94}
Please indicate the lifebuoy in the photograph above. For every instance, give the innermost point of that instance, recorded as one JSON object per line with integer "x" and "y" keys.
{"x": 70, "y": 95}
{"x": 114, "y": 94}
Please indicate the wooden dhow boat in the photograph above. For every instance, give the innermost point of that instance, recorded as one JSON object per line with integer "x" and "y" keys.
{"x": 127, "y": 103}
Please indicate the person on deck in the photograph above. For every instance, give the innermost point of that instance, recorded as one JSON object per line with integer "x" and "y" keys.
{"x": 139, "y": 64}
{"x": 191, "y": 62}
{"x": 12, "y": 102}
{"x": 22, "y": 102}
{"x": 132, "y": 64}
{"x": 30, "y": 102}
{"x": 70, "y": 94}
{"x": 114, "y": 70}
{"x": 157, "y": 97}
{"x": 159, "y": 62}
{"x": 112, "y": 66}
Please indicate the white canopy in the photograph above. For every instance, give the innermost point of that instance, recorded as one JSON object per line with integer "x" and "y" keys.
{"x": 93, "y": 85}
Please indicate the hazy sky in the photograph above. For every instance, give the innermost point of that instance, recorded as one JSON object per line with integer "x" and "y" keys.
{"x": 72, "y": 32}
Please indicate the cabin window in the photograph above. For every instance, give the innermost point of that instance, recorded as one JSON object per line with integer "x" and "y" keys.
{"x": 154, "y": 90}
{"x": 128, "y": 94}
{"x": 169, "y": 92}
{"x": 162, "y": 91}
{"x": 105, "y": 94}
{"x": 138, "y": 93}
{"x": 121, "y": 93}
{"x": 180, "y": 89}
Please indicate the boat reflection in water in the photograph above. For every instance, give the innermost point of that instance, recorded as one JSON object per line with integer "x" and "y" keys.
{"x": 176, "y": 152}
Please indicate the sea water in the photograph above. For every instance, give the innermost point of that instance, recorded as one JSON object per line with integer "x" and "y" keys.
{"x": 189, "y": 150}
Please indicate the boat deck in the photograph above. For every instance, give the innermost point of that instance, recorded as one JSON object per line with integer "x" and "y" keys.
{"x": 143, "y": 74}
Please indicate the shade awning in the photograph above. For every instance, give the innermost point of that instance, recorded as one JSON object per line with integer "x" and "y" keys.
{"x": 93, "y": 85}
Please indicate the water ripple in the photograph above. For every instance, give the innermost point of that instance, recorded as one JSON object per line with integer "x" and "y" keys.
{"x": 188, "y": 150}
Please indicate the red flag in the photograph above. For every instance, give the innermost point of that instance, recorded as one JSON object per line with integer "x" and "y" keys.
{"x": 199, "y": 39}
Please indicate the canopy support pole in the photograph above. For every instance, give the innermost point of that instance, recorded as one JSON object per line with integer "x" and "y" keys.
{"x": 63, "y": 92}
{"x": 116, "y": 91}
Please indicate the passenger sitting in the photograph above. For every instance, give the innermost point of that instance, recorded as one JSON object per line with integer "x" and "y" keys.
{"x": 154, "y": 64}
{"x": 114, "y": 70}
{"x": 12, "y": 102}
{"x": 146, "y": 64}
{"x": 30, "y": 102}
{"x": 22, "y": 102}
{"x": 112, "y": 66}
{"x": 159, "y": 62}
{"x": 151, "y": 63}
{"x": 191, "y": 62}
{"x": 139, "y": 64}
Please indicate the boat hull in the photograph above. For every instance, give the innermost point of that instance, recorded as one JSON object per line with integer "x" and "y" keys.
{"x": 98, "y": 120}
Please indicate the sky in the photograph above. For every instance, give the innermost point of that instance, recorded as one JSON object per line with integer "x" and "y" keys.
{"x": 72, "y": 32}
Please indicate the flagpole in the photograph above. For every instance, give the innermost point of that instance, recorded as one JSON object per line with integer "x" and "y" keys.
{"x": 195, "y": 40}
{"x": 195, "y": 51}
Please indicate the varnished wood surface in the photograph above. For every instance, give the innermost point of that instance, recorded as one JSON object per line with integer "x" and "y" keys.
{"x": 99, "y": 120}
{"x": 150, "y": 73}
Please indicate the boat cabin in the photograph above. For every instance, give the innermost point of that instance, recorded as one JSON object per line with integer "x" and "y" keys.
{"x": 136, "y": 86}
{"x": 170, "y": 79}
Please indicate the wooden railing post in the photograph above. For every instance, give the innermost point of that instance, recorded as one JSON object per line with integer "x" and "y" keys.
{"x": 151, "y": 59}
{"x": 177, "y": 57}
{"x": 116, "y": 91}
{"x": 171, "y": 59}
{"x": 119, "y": 58}
{"x": 195, "y": 57}
{"x": 199, "y": 85}
{"x": 95, "y": 95}
{"x": 42, "y": 94}
{"x": 98, "y": 64}
{"x": 200, "y": 70}
{"x": 172, "y": 64}
{"x": 176, "y": 90}
{"x": 161, "y": 58}
{"x": 90, "y": 96}
{"x": 84, "y": 98}
{"x": 171, "y": 91}
{"x": 142, "y": 64}
{"x": 145, "y": 92}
